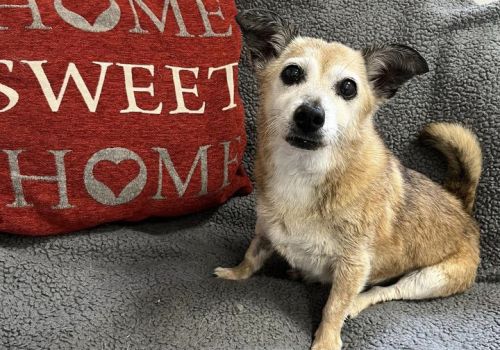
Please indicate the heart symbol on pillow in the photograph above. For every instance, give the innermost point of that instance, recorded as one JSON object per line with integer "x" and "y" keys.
{"x": 116, "y": 175}
{"x": 122, "y": 180}
{"x": 105, "y": 21}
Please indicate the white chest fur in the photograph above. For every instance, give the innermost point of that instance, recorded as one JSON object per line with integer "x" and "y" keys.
{"x": 307, "y": 246}
{"x": 296, "y": 173}
{"x": 303, "y": 239}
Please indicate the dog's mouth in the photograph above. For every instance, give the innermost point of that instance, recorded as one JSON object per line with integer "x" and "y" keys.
{"x": 304, "y": 142}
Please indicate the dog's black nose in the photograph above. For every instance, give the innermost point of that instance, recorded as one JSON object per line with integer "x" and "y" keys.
{"x": 309, "y": 118}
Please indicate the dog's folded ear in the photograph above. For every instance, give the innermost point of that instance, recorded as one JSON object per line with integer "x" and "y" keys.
{"x": 265, "y": 33}
{"x": 390, "y": 66}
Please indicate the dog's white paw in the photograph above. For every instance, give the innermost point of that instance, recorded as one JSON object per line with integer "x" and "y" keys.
{"x": 317, "y": 346}
{"x": 230, "y": 273}
{"x": 225, "y": 273}
{"x": 355, "y": 310}
{"x": 326, "y": 340}
{"x": 362, "y": 301}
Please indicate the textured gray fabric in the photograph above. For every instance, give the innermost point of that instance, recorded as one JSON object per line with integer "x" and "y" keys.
{"x": 149, "y": 285}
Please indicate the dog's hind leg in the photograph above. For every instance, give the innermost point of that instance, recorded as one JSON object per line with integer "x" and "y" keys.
{"x": 454, "y": 275}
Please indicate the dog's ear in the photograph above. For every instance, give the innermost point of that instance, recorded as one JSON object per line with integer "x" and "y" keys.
{"x": 390, "y": 66}
{"x": 265, "y": 34}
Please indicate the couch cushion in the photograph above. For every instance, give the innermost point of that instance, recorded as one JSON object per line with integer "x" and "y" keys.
{"x": 150, "y": 286}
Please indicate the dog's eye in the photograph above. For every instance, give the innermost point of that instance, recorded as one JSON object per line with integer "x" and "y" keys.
{"x": 347, "y": 89}
{"x": 292, "y": 74}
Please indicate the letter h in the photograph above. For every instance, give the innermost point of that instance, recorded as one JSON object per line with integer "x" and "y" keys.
{"x": 17, "y": 179}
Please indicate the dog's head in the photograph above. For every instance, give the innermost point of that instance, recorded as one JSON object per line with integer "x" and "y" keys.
{"x": 315, "y": 93}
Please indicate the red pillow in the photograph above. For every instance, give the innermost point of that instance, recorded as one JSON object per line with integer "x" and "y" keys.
{"x": 117, "y": 110}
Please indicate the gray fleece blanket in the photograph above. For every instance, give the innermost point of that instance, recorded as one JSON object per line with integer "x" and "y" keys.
{"x": 149, "y": 285}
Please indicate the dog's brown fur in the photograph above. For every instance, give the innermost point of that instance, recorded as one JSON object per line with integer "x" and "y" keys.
{"x": 386, "y": 221}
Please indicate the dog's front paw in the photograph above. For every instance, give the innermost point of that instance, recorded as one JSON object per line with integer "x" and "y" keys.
{"x": 326, "y": 339}
{"x": 319, "y": 344}
{"x": 232, "y": 273}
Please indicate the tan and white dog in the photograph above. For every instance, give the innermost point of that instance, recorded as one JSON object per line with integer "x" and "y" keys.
{"x": 331, "y": 198}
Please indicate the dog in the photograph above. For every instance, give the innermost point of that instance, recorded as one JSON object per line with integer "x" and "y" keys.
{"x": 331, "y": 198}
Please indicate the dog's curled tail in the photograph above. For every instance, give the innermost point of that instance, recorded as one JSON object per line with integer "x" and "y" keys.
{"x": 463, "y": 153}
